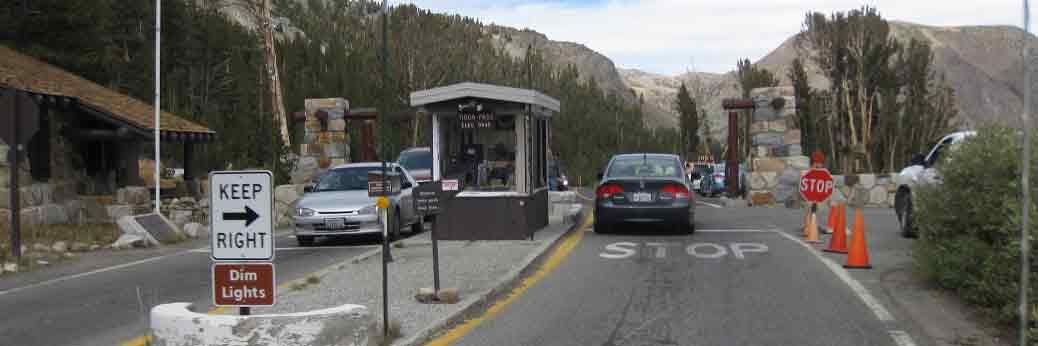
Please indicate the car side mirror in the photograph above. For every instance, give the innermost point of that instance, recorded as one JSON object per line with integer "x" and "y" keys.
{"x": 308, "y": 188}
{"x": 917, "y": 159}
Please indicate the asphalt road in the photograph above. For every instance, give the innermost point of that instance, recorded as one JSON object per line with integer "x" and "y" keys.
{"x": 110, "y": 303}
{"x": 743, "y": 278}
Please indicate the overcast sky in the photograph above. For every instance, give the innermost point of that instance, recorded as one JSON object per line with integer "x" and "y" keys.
{"x": 673, "y": 36}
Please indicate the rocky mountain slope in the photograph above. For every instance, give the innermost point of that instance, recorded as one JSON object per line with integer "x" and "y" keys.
{"x": 982, "y": 64}
{"x": 589, "y": 62}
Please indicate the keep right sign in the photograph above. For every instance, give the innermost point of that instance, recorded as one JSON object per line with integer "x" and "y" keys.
{"x": 816, "y": 185}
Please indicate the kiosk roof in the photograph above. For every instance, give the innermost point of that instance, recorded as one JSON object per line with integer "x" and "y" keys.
{"x": 485, "y": 91}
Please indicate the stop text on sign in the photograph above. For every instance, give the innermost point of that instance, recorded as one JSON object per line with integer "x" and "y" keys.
{"x": 243, "y": 284}
{"x": 816, "y": 185}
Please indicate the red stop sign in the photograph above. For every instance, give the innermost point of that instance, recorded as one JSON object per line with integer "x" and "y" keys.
{"x": 816, "y": 185}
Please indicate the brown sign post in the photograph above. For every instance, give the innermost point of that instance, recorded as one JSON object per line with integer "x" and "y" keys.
{"x": 732, "y": 161}
{"x": 244, "y": 284}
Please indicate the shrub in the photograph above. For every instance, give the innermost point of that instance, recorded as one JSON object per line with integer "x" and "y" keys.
{"x": 969, "y": 225}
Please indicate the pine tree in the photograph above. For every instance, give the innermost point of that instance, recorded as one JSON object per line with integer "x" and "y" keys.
{"x": 688, "y": 119}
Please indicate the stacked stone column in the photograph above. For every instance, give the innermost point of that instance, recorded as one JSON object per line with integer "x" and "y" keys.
{"x": 325, "y": 142}
{"x": 777, "y": 160}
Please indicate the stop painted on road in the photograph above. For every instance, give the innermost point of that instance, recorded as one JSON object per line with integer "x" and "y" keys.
{"x": 704, "y": 250}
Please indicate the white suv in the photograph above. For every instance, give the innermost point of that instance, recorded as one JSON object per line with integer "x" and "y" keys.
{"x": 921, "y": 171}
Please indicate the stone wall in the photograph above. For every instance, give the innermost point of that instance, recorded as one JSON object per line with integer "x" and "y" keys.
{"x": 778, "y": 160}
{"x": 325, "y": 140}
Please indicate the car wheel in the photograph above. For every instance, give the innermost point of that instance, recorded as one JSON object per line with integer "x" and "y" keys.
{"x": 680, "y": 227}
{"x": 304, "y": 240}
{"x": 904, "y": 215}
{"x": 416, "y": 227}
{"x": 394, "y": 230}
{"x": 602, "y": 228}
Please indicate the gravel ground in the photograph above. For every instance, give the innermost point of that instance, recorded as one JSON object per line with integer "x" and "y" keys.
{"x": 471, "y": 267}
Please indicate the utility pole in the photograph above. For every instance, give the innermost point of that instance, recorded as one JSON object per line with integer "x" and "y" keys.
{"x": 158, "y": 102}
{"x": 384, "y": 129}
{"x": 1025, "y": 205}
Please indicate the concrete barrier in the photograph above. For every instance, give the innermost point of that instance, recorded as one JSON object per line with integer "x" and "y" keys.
{"x": 562, "y": 206}
{"x": 175, "y": 324}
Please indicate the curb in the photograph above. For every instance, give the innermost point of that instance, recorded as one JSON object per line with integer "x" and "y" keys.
{"x": 475, "y": 305}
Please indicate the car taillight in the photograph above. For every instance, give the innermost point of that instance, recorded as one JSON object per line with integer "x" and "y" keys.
{"x": 608, "y": 190}
{"x": 679, "y": 191}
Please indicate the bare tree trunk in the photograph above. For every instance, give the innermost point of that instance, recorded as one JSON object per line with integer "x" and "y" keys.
{"x": 276, "y": 103}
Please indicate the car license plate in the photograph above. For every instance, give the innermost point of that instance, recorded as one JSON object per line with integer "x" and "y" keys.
{"x": 334, "y": 223}
{"x": 641, "y": 197}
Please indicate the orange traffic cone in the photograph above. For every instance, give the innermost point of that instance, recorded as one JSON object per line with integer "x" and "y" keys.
{"x": 859, "y": 254}
{"x": 807, "y": 217}
{"x": 832, "y": 217}
{"x": 811, "y": 229}
{"x": 838, "y": 242}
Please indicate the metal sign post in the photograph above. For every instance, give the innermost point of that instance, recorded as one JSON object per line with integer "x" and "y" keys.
{"x": 1025, "y": 246}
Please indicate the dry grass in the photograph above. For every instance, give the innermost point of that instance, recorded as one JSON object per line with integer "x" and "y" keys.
{"x": 100, "y": 234}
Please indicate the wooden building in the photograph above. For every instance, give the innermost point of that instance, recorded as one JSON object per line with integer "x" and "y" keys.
{"x": 91, "y": 133}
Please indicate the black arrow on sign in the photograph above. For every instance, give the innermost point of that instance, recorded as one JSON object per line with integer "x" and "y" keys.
{"x": 248, "y": 216}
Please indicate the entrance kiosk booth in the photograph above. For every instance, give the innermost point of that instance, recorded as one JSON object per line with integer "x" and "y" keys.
{"x": 494, "y": 141}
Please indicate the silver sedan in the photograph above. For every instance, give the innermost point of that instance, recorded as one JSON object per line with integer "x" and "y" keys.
{"x": 338, "y": 205}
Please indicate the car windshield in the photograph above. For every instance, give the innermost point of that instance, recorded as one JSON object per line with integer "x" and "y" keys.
{"x": 416, "y": 160}
{"x": 638, "y": 166}
{"x": 344, "y": 179}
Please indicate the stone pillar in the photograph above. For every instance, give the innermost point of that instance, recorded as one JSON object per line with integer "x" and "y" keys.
{"x": 325, "y": 140}
{"x": 777, "y": 158}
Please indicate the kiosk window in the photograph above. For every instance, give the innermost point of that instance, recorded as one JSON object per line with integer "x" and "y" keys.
{"x": 483, "y": 157}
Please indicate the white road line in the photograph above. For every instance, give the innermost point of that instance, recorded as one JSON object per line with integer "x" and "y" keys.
{"x": 93, "y": 272}
{"x": 881, "y": 313}
{"x": 901, "y": 338}
{"x": 710, "y": 204}
{"x": 732, "y": 230}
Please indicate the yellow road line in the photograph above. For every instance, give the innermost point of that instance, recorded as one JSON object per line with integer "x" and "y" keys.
{"x": 138, "y": 341}
{"x": 553, "y": 261}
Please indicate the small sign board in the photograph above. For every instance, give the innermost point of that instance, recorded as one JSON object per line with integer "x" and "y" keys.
{"x": 816, "y": 185}
{"x": 376, "y": 182}
{"x": 450, "y": 184}
{"x": 241, "y": 216}
{"x": 476, "y": 119}
{"x": 427, "y": 198}
{"x": 243, "y": 284}
{"x": 158, "y": 226}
